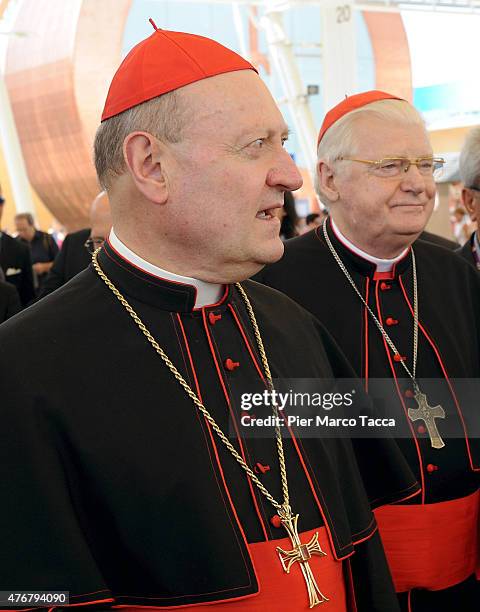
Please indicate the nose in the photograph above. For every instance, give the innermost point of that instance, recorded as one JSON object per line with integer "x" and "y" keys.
{"x": 414, "y": 181}
{"x": 285, "y": 174}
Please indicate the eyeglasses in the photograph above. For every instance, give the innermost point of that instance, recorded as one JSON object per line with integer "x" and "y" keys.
{"x": 394, "y": 166}
{"x": 92, "y": 244}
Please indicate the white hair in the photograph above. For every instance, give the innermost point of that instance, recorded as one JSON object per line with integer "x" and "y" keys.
{"x": 470, "y": 159}
{"x": 340, "y": 139}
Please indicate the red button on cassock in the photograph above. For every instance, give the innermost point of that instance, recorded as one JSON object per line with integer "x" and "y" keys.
{"x": 231, "y": 365}
{"x": 384, "y": 286}
{"x": 398, "y": 357}
{"x": 276, "y": 521}
{"x": 432, "y": 468}
{"x": 409, "y": 393}
{"x": 261, "y": 469}
{"x": 421, "y": 429}
{"x": 391, "y": 321}
{"x": 213, "y": 318}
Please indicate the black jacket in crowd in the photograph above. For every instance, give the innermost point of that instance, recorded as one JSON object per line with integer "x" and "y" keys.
{"x": 16, "y": 263}
{"x": 9, "y": 301}
{"x": 72, "y": 259}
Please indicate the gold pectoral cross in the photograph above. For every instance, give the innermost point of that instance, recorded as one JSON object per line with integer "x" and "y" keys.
{"x": 301, "y": 553}
{"x": 428, "y": 414}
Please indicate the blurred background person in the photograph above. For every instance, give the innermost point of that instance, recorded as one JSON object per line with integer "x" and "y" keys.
{"x": 16, "y": 264}
{"x": 461, "y": 225}
{"x": 9, "y": 301}
{"x": 314, "y": 220}
{"x": 75, "y": 254}
{"x": 290, "y": 222}
{"x": 43, "y": 248}
{"x": 470, "y": 175}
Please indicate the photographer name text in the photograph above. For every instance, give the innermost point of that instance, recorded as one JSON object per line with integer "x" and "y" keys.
{"x": 318, "y": 421}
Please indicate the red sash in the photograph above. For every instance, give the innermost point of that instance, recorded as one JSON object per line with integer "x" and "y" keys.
{"x": 281, "y": 592}
{"x": 431, "y": 546}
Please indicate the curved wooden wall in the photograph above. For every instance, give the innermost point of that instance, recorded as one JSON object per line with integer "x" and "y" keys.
{"x": 57, "y": 77}
{"x": 391, "y": 52}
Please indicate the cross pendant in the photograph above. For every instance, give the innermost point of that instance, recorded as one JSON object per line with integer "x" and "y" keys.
{"x": 428, "y": 414}
{"x": 301, "y": 553}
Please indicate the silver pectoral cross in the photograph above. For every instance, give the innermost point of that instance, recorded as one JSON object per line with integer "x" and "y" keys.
{"x": 301, "y": 553}
{"x": 428, "y": 414}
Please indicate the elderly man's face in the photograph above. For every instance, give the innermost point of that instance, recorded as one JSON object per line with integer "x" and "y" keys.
{"x": 228, "y": 175}
{"x": 476, "y": 208}
{"x": 24, "y": 229}
{"x": 383, "y": 215}
{"x": 471, "y": 200}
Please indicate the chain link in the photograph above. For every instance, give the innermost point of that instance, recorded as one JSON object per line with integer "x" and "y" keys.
{"x": 285, "y": 507}
{"x": 387, "y": 338}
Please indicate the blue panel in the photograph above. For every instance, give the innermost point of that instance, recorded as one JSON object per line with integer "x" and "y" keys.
{"x": 446, "y": 96}
{"x": 449, "y": 104}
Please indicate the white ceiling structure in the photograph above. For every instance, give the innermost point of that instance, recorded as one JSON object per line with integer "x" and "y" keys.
{"x": 447, "y": 6}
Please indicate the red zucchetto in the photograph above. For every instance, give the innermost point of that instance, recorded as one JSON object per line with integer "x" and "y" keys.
{"x": 166, "y": 61}
{"x": 351, "y": 103}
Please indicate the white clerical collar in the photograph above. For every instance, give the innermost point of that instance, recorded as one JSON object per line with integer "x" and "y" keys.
{"x": 207, "y": 293}
{"x": 383, "y": 265}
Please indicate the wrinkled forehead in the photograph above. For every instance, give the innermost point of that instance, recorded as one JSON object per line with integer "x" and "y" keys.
{"x": 232, "y": 101}
{"x": 379, "y": 137}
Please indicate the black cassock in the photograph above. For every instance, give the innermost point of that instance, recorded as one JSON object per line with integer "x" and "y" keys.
{"x": 115, "y": 488}
{"x": 448, "y": 349}
{"x": 467, "y": 251}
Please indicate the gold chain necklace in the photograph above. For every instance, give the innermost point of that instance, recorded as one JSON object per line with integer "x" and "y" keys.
{"x": 424, "y": 412}
{"x": 301, "y": 553}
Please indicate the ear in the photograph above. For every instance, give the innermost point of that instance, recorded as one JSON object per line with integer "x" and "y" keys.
{"x": 469, "y": 203}
{"x": 326, "y": 181}
{"x": 144, "y": 157}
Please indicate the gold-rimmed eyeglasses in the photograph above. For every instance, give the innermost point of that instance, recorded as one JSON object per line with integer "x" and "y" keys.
{"x": 395, "y": 166}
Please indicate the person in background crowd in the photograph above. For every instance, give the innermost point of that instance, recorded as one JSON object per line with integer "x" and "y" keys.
{"x": 313, "y": 220}
{"x": 139, "y": 498}
{"x": 461, "y": 225}
{"x": 16, "y": 263}
{"x": 406, "y": 315}
{"x": 75, "y": 254}
{"x": 9, "y": 301}
{"x": 289, "y": 218}
{"x": 43, "y": 248}
{"x": 470, "y": 175}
